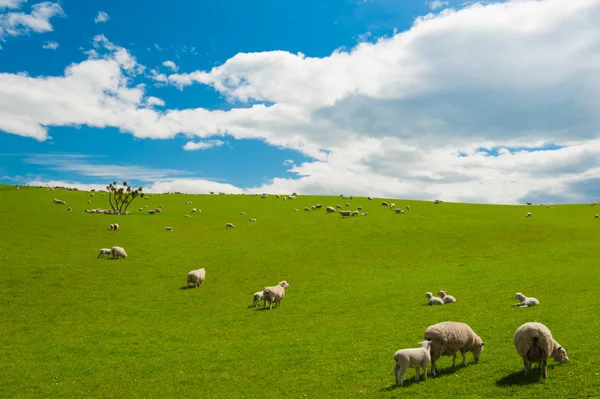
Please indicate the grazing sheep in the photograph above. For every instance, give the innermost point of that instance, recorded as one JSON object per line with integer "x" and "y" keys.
{"x": 274, "y": 294}
{"x": 115, "y": 226}
{"x": 399, "y": 211}
{"x": 89, "y": 202}
{"x": 69, "y": 209}
{"x": 593, "y": 203}
{"x": 345, "y": 213}
{"x": 528, "y": 214}
{"x": 347, "y": 205}
{"x": 104, "y": 251}
{"x": 383, "y": 203}
{"x": 118, "y": 251}
{"x": 597, "y": 217}
{"x": 330, "y": 209}
{"x": 534, "y": 343}
{"x": 169, "y": 228}
{"x": 355, "y": 213}
{"x": 195, "y": 277}
{"x": 528, "y": 203}
{"x": 141, "y": 209}
{"x": 433, "y": 300}
{"x": 188, "y": 202}
{"x": 158, "y": 210}
{"x": 194, "y": 210}
{"x": 360, "y": 208}
{"x": 296, "y": 209}
{"x": 364, "y": 214}
{"x": 306, "y": 209}
{"x": 151, "y": 212}
{"x": 252, "y": 219}
{"x": 446, "y": 298}
{"x": 449, "y": 337}
{"x": 188, "y": 216}
{"x": 408, "y": 207}
{"x": 369, "y": 198}
{"x": 111, "y": 227}
{"x": 319, "y": 206}
{"x": 525, "y": 302}
{"x": 229, "y": 225}
{"x": 338, "y": 206}
{"x": 417, "y": 358}
{"x": 242, "y": 213}
{"x": 436, "y": 201}
{"x": 392, "y": 205}
{"x": 258, "y": 296}
{"x": 160, "y": 206}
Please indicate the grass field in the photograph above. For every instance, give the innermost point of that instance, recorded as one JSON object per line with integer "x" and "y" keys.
{"x": 72, "y": 325}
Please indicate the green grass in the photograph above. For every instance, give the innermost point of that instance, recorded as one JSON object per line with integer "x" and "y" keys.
{"x": 72, "y": 325}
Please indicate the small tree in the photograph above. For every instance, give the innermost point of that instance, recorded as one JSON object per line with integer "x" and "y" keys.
{"x": 121, "y": 197}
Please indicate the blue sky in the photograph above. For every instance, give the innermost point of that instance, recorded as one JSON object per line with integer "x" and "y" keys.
{"x": 367, "y": 97}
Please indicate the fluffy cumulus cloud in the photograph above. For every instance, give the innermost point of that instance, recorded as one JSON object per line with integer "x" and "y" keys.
{"x": 11, "y": 3}
{"x": 20, "y": 23}
{"x": 101, "y": 17}
{"x": 202, "y": 145}
{"x": 405, "y": 116}
{"x": 171, "y": 65}
{"x": 50, "y": 45}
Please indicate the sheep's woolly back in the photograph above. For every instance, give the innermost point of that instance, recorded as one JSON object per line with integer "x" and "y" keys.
{"x": 452, "y": 334}
{"x": 524, "y": 339}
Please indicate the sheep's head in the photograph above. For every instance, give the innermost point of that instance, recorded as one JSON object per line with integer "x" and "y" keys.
{"x": 560, "y": 355}
{"x": 284, "y": 284}
{"x": 520, "y": 296}
{"x": 442, "y": 294}
{"x": 428, "y": 295}
{"x": 425, "y": 344}
{"x": 477, "y": 349}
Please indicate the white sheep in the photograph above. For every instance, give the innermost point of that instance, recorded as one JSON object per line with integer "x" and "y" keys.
{"x": 314, "y": 207}
{"x": 158, "y": 210}
{"x": 274, "y": 294}
{"x": 383, "y": 203}
{"x": 296, "y": 209}
{"x": 89, "y": 202}
{"x": 229, "y": 225}
{"x": 169, "y": 228}
{"x": 104, "y": 251}
{"x": 417, "y": 358}
{"x": 398, "y": 211}
{"x": 528, "y": 214}
{"x": 306, "y": 209}
{"x": 408, "y": 207}
{"x": 141, "y": 209}
{"x": 446, "y": 298}
{"x": 364, "y": 214}
{"x": 597, "y": 217}
{"x": 69, "y": 209}
{"x": 449, "y": 337}
{"x": 194, "y": 210}
{"x": 319, "y": 206}
{"x": 195, "y": 277}
{"x": 528, "y": 203}
{"x": 392, "y": 205}
{"x": 252, "y": 219}
{"x": 360, "y": 208}
{"x": 347, "y": 205}
{"x": 118, "y": 251}
{"x": 188, "y": 216}
{"x": 355, "y": 213}
{"x": 534, "y": 343}
{"x": 111, "y": 226}
{"x": 330, "y": 209}
{"x": 115, "y": 226}
{"x": 433, "y": 300}
{"x": 345, "y": 213}
{"x": 242, "y": 213}
{"x": 338, "y": 206}
{"x": 151, "y": 212}
{"x": 525, "y": 302}
{"x": 258, "y": 296}
{"x": 369, "y": 198}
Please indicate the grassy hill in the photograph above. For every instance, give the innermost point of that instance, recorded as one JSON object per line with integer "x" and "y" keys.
{"x": 72, "y": 325}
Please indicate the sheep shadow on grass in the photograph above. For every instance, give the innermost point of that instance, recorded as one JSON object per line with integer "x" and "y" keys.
{"x": 519, "y": 378}
{"x": 441, "y": 373}
{"x": 407, "y": 382}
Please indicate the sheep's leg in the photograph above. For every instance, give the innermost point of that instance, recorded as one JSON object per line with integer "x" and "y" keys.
{"x": 526, "y": 366}
{"x": 433, "y": 368}
{"x": 417, "y": 373}
{"x": 425, "y": 371}
{"x": 462, "y": 352}
{"x": 396, "y": 370}
{"x": 454, "y": 360}
{"x": 544, "y": 364}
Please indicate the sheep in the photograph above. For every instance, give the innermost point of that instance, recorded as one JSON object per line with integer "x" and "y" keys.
{"x": 169, "y": 228}
{"x": 534, "y": 343}
{"x": 528, "y": 214}
{"x": 89, "y": 202}
{"x": 416, "y": 358}
{"x": 528, "y": 203}
{"x": 314, "y": 207}
{"x": 597, "y": 217}
{"x": 408, "y": 207}
{"x": 158, "y": 210}
{"x": 115, "y": 226}
{"x": 151, "y": 212}
{"x": 319, "y": 206}
{"x": 296, "y": 209}
{"x": 160, "y": 206}
{"x": 446, "y": 298}
{"x": 433, "y": 300}
{"x": 242, "y": 213}
{"x": 188, "y": 202}
{"x": 141, "y": 209}
{"x": 229, "y": 225}
{"x": 104, "y": 251}
{"x": 383, "y": 203}
{"x": 364, "y": 214}
{"x": 258, "y": 296}
{"x": 369, "y": 198}
{"x": 188, "y": 216}
{"x": 330, "y": 209}
{"x": 436, "y": 201}
{"x": 525, "y": 302}
{"x": 347, "y": 205}
{"x": 274, "y": 294}
{"x": 111, "y": 227}
{"x": 306, "y": 209}
{"x": 252, "y": 219}
{"x": 392, "y": 205}
{"x": 194, "y": 210}
{"x": 345, "y": 213}
{"x": 69, "y": 209}
{"x": 118, "y": 251}
{"x": 360, "y": 208}
{"x": 593, "y": 203}
{"x": 338, "y": 206}
{"x": 195, "y": 277}
{"x": 449, "y": 337}
{"x": 399, "y": 211}
{"x": 355, "y": 213}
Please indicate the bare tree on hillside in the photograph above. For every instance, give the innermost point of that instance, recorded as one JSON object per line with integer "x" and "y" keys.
{"x": 121, "y": 197}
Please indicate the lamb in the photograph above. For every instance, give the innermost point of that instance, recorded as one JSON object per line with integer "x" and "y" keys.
{"x": 534, "y": 343}
{"x": 383, "y": 203}
{"x": 229, "y": 225}
{"x": 195, "y": 277}
{"x": 392, "y": 205}
{"x": 330, "y": 209}
{"x": 408, "y": 207}
{"x": 528, "y": 214}
{"x": 104, "y": 251}
{"x": 194, "y": 210}
{"x": 364, "y": 214}
{"x": 118, "y": 251}
{"x": 347, "y": 205}
{"x": 115, "y": 226}
{"x": 433, "y": 300}
{"x": 449, "y": 337}
{"x": 525, "y": 302}
{"x": 446, "y": 298}
{"x": 242, "y": 213}
{"x": 416, "y": 358}
{"x": 252, "y": 219}
{"x": 89, "y": 202}
{"x": 338, "y": 206}
{"x": 345, "y": 213}
{"x": 274, "y": 294}
{"x": 258, "y": 296}
{"x": 169, "y": 228}
{"x": 306, "y": 209}
{"x": 296, "y": 209}
{"x": 360, "y": 208}
{"x": 355, "y": 213}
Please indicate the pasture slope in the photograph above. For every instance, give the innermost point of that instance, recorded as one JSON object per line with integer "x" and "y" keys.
{"x": 72, "y": 325}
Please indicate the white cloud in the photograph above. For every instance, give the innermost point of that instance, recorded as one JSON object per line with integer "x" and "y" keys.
{"x": 11, "y": 3}
{"x": 171, "y": 65}
{"x": 101, "y": 17}
{"x": 50, "y": 45}
{"x": 435, "y": 4}
{"x": 202, "y": 145}
{"x": 154, "y": 101}
{"x": 19, "y": 23}
{"x": 288, "y": 162}
{"x": 385, "y": 118}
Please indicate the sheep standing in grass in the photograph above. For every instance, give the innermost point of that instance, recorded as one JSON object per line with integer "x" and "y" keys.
{"x": 345, "y": 213}
{"x": 364, "y": 214}
{"x": 319, "y": 206}
{"x": 597, "y": 217}
{"x": 399, "y": 211}
{"x": 242, "y": 213}
{"x": 330, "y": 209}
{"x": 338, "y": 206}
{"x": 296, "y": 209}
{"x": 194, "y": 210}
{"x": 69, "y": 209}
{"x": 188, "y": 216}
{"x": 306, "y": 209}
{"x": 408, "y": 207}
{"x": 417, "y": 358}
{"x": 89, "y": 202}
{"x": 104, "y": 251}
{"x": 433, "y": 300}
{"x": 115, "y": 226}
{"x": 355, "y": 213}
{"x": 449, "y": 337}
{"x": 258, "y": 296}
{"x": 111, "y": 227}
{"x": 525, "y": 302}
{"x": 360, "y": 208}
{"x": 274, "y": 294}
{"x": 229, "y": 226}
{"x": 383, "y": 203}
{"x": 369, "y": 198}
{"x": 528, "y": 214}
{"x": 446, "y": 298}
{"x": 252, "y": 219}
{"x": 118, "y": 252}
{"x": 169, "y": 228}
{"x": 151, "y": 212}
{"x": 534, "y": 343}
{"x": 195, "y": 277}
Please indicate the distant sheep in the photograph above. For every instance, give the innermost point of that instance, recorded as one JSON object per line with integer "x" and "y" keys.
{"x": 355, "y": 213}
{"x": 383, "y": 203}
{"x": 89, "y": 202}
{"x": 525, "y": 302}
{"x": 392, "y": 205}
{"x": 194, "y": 210}
{"x": 151, "y": 212}
{"x": 104, "y": 251}
{"x": 252, "y": 219}
{"x": 417, "y": 358}
{"x": 408, "y": 207}
{"x": 345, "y": 213}
{"x": 118, "y": 252}
{"x": 141, "y": 209}
{"x": 436, "y": 201}
{"x": 296, "y": 209}
{"x": 446, "y": 298}
{"x": 188, "y": 216}
{"x": 593, "y": 203}
{"x": 433, "y": 300}
{"x": 369, "y": 198}
{"x": 69, "y": 209}
{"x": 158, "y": 210}
{"x": 338, "y": 206}
{"x": 319, "y": 206}
{"x": 597, "y": 217}
{"x": 330, "y": 209}
{"x": 195, "y": 277}
{"x": 528, "y": 203}
{"x": 116, "y": 226}
{"x": 347, "y": 205}
{"x": 449, "y": 337}
{"x": 169, "y": 228}
{"x": 360, "y": 208}
{"x": 229, "y": 225}
{"x": 242, "y": 213}
{"x": 399, "y": 211}
{"x": 306, "y": 209}
{"x": 364, "y": 214}
{"x": 534, "y": 343}
{"x": 528, "y": 214}
{"x": 274, "y": 294}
